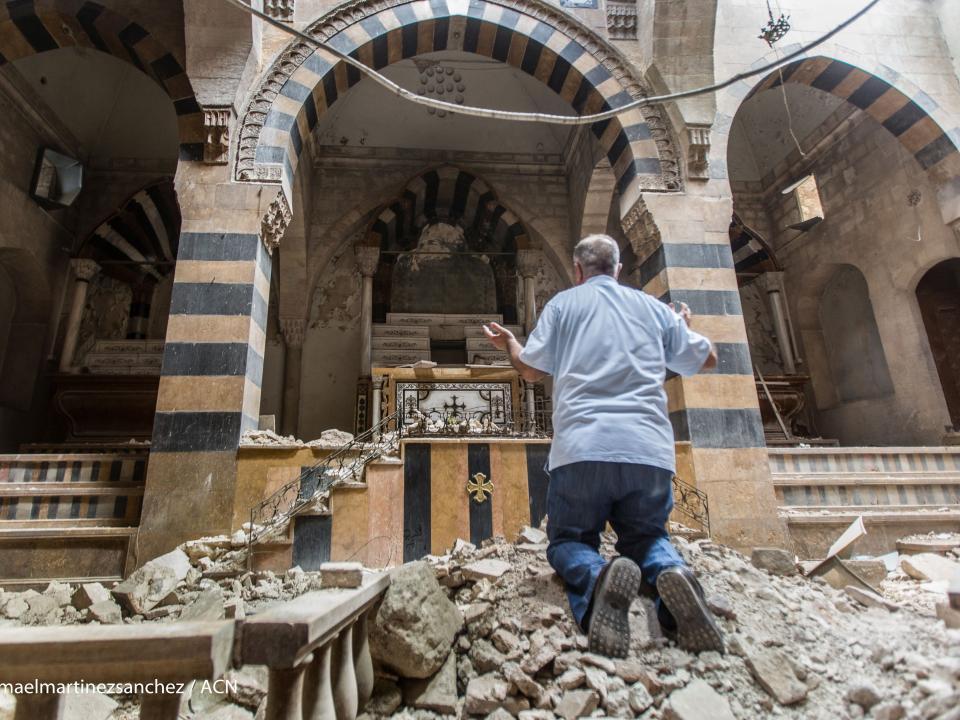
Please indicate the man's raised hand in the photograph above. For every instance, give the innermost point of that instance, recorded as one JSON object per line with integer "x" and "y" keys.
{"x": 683, "y": 312}
{"x": 498, "y": 335}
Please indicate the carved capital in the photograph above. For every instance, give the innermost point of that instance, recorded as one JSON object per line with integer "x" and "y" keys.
{"x": 770, "y": 282}
{"x": 275, "y": 222}
{"x": 368, "y": 258}
{"x": 622, "y": 20}
{"x": 279, "y": 9}
{"x": 528, "y": 262}
{"x": 84, "y": 268}
{"x": 293, "y": 330}
{"x": 698, "y": 151}
{"x": 216, "y": 134}
{"x": 641, "y": 230}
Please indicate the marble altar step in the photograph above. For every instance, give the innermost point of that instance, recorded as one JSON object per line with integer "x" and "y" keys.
{"x": 898, "y": 491}
{"x": 125, "y": 357}
{"x": 440, "y": 319}
{"x": 383, "y": 357}
{"x": 401, "y": 343}
{"x": 69, "y": 515}
{"x": 385, "y": 330}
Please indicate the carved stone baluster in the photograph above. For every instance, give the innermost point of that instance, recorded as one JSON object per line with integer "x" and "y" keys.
{"x": 318, "y": 687}
{"x": 40, "y": 706}
{"x": 345, "y": 685}
{"x": 363, "y": 663}
{"x": 285, "y": 692}
{"x": 160, "y": 706}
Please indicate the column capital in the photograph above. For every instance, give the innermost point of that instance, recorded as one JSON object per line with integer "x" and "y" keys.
{"x": 368, "y": 258}
{"x": 293, "y": 330}
{"x": 275, "y": 222}
{"x": 771, "y": 281}
{"x": 216, "y": 130}
{"x": 528, "y": 262}
{"x": 84, "y": 268}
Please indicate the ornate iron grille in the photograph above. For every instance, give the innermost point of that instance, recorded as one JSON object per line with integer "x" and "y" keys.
{"x": 343, "y": 465}
{"x": 691, "y": 503}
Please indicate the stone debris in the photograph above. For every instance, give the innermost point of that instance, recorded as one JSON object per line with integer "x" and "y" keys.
{"x": 486, "y": 570}
{"x": 88, "y": 594}
{"x": 774, "y": 560}
{"x": 930, "y": 567}
{"x": 775, "y": 674}
{"x": 341, "y": 575}
{"x": 331, "y": 439}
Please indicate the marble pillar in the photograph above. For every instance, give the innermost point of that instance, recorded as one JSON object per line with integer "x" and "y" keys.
{"x": 368, "y": 258}
{"x": 376, "y": 402}
{"x": 772, "y": 284}
{"x": 292, "y": 329}
{"x": 83, "y": 270}
{"x": 528, "y": 262}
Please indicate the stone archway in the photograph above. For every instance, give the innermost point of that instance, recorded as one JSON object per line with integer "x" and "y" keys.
{"x": 546, "y": 44}
{"x": 43, "y": 25}
{"x": 938, "y": 294}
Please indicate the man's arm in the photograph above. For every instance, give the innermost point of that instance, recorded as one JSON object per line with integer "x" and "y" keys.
{"x": 504, "y": 340}
{"x": 684, "y": 312}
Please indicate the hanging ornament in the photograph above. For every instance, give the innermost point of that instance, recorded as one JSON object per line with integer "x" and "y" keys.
{"x": 774, "y": 30}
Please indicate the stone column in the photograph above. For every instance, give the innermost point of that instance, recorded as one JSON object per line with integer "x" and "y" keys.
{"x": 293, "y": 330}
{"x": 140, "y": 310}
{"x": 376, "y": 401}
{"x": 772, "y": 284}
{"x": 368, "y": 257}
{"x": 528, "y": 261}
{"x": 84, "y": 270}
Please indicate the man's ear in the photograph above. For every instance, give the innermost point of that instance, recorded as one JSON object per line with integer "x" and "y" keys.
{"x": 577, "y": 273}
{"x": 616, "y": 271}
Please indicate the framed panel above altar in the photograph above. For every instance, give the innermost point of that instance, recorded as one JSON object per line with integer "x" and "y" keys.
{"x": 443, "y": 396}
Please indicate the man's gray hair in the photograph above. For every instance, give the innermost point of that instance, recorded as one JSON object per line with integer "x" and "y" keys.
{"x": 597, "y": 255}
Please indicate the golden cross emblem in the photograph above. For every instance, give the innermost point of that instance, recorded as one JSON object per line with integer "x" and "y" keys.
{"x": 479, "y": 487}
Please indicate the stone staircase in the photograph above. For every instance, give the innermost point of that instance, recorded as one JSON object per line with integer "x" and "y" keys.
{"x": 898, "y": 491}
{"x": 69, "y": 516}
{"x": 405, "y": 338}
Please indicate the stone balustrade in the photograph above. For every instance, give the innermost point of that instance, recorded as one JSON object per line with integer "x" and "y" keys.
{"x": 315, "y": 648}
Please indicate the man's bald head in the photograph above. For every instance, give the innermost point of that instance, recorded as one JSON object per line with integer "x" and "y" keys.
{"x": 597, "y": 255}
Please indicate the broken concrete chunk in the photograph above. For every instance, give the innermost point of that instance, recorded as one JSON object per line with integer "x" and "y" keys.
{"x": 488, "y": 569}
{"x": 386, "y": 698}
{"x": 88, "y": 706}
{"x": 577, "y": 703}
{"x": 863, "y": 694}
{"x": 145, "y": 588}
{"x": 523, "y": 682}
{"x": 416, "y": 624}
{"x": 207, "y": 606}
{"x": 697, "y": 701}
{"x": 341, "y": 575}
{"x": 640, "y": 698}
{"x": 930, "y": 566}
{"x": 106, "y": 612}
{"x": 485, "y": 694}
{"x": 950, "y": 617}
{"x": 533, "y": 536}
{"x": 176, "y": 560}
{"x": 59, "y": 592}
{"x": 88, "y": 594}
{"x": 870, "y": 599}
{"x": 438, "y": 693}
{"x": 773, "y": 672}
{"x": 775, "y": 561}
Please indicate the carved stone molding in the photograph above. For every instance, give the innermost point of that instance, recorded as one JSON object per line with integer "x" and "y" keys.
{"x": 279, "y": 9}
{"x": 293, "y": 330}
{"x": 216, "y": 134}
{"x": 641, "y": 230}
{"x": 275, "y": 222}
{"x": 622, "y": 20}
{"x": 353, "y": 12}
{"x": 698, "y": 151}
{"x": 368, "y": 258}
{"x": 528, "y": 262}
{"x": 84, "y": 268}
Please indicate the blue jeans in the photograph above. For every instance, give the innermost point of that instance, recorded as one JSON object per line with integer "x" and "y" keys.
{"x": 635, "y": 499}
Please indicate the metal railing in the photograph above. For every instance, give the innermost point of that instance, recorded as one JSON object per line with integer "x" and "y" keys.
{"x": 691, "y": 503}
{"x": 345, "y": 464}
{"x": 314, "y": 646}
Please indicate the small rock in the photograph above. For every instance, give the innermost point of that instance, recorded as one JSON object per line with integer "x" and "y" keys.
{"x": 774, "y": 560}
{"x": 571, "y": 679}
{"x": 386, "y": 698}
{"x": 145, "y": 588}
{"x": 341, "y": 575}
{"x": 176, "y": 560}
{"x": 88, "y": 594}
{"x": 891, "y": 710}
{"x": 88, "y": 705}
{"x": 479, "y": 619}
{"x": 59, "y": 592}
{"x": 721, "y": 607}
{"x": 864, "y": 695}
{"x": 461, "y": 548}
{"x": 485, "y": 694}
{"x": 247, "y": 686}
{"x": 533, "y": 536}
{"x": 523, "y": 682}
{"x": 488, "y": 569}
{"x": 598, "y": 661}
{"x": 640, "y": 698}
{"x": 106, "y": 612}
{"x": 207, "y": 606}
{"x": 506, "y": 642}
{"x": 438, "y": 693}
{"x": 577, "y": 704}
{"x": 870, "y": 599}
{"x": 15, "y": 608}
{"x": 485, "y": 657}
{"x": 40, "y": 608}
{"x": 697, "y": 701}
{"x": 929, "y": 566}
{"x": 501, "y": 714}
{"x": 772, "y": 670}
{"x": 541, "y": 654}
{"x": 950, "y": 617}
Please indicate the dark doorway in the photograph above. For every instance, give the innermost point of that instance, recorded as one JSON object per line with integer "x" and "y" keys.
{"x": 939, "y": 297}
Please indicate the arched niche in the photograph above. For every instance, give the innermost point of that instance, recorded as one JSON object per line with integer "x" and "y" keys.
{"x": 938, "y": 294}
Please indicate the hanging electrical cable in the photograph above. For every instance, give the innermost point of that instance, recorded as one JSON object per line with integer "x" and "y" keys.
{"x": 490, "y": 113}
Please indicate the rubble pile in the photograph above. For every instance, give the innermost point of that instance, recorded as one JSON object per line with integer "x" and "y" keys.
{"x": 796, "y": 646}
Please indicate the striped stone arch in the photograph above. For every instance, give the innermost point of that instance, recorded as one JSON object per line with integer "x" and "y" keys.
{"x": 28, "y": 27}
{"x": 451, "y": 195}
{"x": 907, "y": 115}
{"x": 145, "y": 228}
{"x": 751, "y": 253}
{"x": 545, "y": 43}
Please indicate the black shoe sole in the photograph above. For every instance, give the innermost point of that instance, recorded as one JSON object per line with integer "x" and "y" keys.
{"x": 696, "y": 629}
{"x": 609, "y": 632}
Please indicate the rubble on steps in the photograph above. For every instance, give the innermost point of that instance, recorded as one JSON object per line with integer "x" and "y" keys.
{"x": 796, "y": 648}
